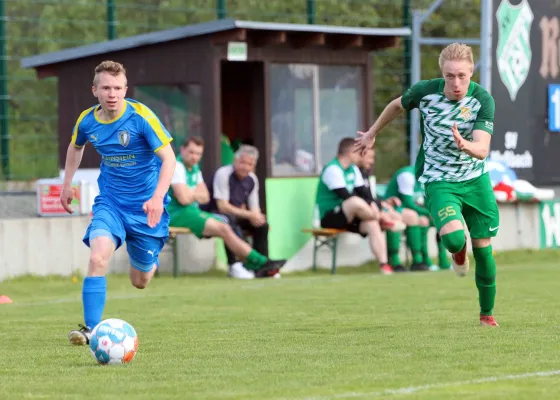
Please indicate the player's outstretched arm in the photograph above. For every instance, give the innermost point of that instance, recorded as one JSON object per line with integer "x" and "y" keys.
{"x": 167, "y": 157}
{"x": 73, "y": 159}
{"x": 478, "y": 148}
{"x": 154, "y": 207}
{"x": 366, "y": 140}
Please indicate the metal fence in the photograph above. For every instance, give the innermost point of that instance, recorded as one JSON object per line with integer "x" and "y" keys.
{"x": 28, "y": 106}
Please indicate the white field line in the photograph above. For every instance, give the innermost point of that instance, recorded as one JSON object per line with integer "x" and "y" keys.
{"x": 414, "y": 389}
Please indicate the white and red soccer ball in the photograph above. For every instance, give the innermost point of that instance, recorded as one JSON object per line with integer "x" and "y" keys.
{"x": 113, "y": 341}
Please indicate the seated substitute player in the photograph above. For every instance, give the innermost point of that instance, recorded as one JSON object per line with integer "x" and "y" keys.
{"x": 388, "y": 211}
{"x": 136, "y": 169}
{"x": 187, "y": 191}
{"x": 340, "y": 200}
{"x": 403, "y": 184}
{"x": 389, "y": 219}
{"x": 457, "y": 121}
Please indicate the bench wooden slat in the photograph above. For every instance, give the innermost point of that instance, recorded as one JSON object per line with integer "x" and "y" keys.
{"x": 174, "y": 231}
{"x": 323, "y": 231}
{"x": 324, "y": 237}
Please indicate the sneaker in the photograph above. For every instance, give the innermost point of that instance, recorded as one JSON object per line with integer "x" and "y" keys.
{"x": 487, "y": 320}
{"x": 386, "y": 269}
{"x": 80, "y": 337}
{"x": 419, "y": 267}
{"x": 398, "y": 268}
{"x": 270, "y": 268}
{"x": 268, "y": 273}
{"x": 238, "y": 271}
{"x": 461, "y": 262}
{"x": 434, "y": 268}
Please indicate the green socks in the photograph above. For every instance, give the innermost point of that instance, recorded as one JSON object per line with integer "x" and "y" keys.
{"x": 424, "y": 241}
{"x": 414, "y": 242}
{"x": 485, "y": 278}
{"x": 393, "y": 247}
{"x": 443, "y": 258}
{"x": 255, "y": 260}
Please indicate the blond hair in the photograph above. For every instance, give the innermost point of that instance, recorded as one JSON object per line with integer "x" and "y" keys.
{"x": 456, "y": 52}
{"x": 112, "y": 67}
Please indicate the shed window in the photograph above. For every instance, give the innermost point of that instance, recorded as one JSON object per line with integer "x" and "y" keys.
{"x": 177, "y": 106}
{"x": 312, "y": 108}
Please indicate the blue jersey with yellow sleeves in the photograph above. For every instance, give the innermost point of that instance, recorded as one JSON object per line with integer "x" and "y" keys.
{"x": 127, "y": 145}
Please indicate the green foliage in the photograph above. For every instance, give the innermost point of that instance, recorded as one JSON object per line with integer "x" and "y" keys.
{"x": 41, "y": 26}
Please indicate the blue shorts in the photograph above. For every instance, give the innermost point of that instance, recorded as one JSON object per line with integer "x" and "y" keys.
{"x": 143, "y": 244}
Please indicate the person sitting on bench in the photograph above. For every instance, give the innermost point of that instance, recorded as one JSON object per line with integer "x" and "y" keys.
{"x": 234, "y": 192}
{"x": 340, "y": 200}
{"x": 404, "y": 185}
{"x": 187, "y": 191}
{"x": 393, "y": 207}
{"x": 390, "y": 220}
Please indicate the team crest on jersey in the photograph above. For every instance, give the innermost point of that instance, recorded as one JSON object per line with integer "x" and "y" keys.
{"x": 124, "y": 138}
{"x": 466, "y": 113}
{"x": 513, "y": 52}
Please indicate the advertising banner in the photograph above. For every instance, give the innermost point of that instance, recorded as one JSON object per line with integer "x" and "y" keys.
{"x": 526, "y": 88}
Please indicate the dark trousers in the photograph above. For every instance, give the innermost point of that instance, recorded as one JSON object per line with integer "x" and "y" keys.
{"x": 242, "y": 227}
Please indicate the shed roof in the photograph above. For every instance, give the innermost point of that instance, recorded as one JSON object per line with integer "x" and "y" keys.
{"x": 204, "y": 28}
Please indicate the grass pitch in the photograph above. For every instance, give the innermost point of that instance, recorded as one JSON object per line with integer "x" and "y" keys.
{"x": 356, "y": 335}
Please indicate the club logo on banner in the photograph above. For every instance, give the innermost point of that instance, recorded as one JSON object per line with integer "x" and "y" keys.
{"x": 513, "y": 52}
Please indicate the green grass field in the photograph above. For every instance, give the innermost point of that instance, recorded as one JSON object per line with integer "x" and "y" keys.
{"x": 356, "y": 335}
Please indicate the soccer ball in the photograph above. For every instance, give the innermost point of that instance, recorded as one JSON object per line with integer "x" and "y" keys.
{"x": 113, "y": 341}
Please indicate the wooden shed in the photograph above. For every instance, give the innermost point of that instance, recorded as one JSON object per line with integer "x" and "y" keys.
{"x": 291, "y": 90}
{"x": 225, "y": 76}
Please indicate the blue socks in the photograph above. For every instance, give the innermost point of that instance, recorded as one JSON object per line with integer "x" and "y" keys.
{"x": 94, "y": 292}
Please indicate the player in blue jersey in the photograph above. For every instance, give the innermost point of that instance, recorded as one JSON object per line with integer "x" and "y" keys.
{"x": 136, "y": 170}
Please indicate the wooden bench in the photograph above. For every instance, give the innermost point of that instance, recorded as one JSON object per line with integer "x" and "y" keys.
{"x": 324, "y": 237}
{"x": 329, "y": 237}
{"x": 172, "y": 241}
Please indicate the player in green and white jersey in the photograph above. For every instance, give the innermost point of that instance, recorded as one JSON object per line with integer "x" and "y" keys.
{"x": 406, "y": 188}
{"x": 187, "y": 191}
{"x": 340, "y": 199}
{"x": 457, "y": 121}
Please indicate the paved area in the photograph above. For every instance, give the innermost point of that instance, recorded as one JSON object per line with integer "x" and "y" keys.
{"x": 18, "y": 205}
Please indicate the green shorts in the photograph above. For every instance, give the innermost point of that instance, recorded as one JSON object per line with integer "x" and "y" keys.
{"x": 192, "y": 218}
{"x": 472, "y": 201}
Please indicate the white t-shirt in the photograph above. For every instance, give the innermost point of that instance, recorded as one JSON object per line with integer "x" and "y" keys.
{"x": 221, "y": 186}
{"x": 334, "y": 178}
{"x": 406, "y": 182}
{"x": 189, "y": 178}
